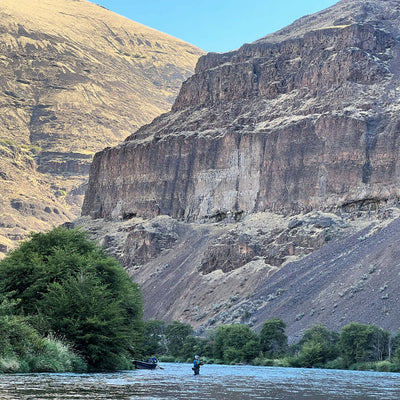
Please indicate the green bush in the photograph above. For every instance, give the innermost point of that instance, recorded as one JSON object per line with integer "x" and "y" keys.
{"x": 383, "y": 366}
{"x": 311, "y": 354}
{"x": 380, "y": 366}
{"x": 262, "y": 362}
{"x": 291, "y": 361}
{"x": 56, "y": 356}
{"x": 318, "y": 346}
{"x": 334, "y": 364}
{"x": 169, "y": 359}
{"x": 283, "y": 362}
{"x": 18, "y": 338}
{"x": 10, "y": 364}
{"x": 360, "y": 343}
{"x": 69, "y": 286}
{"x": 273, "y": 340}
{"x": 250, "y": 350}
{"x": 360, "y": 366}
{"x": 231, "y": 343}
{"x": 22, "y": 349}
{"x": 232, "y": 355}
{"x": 394, "y": 367}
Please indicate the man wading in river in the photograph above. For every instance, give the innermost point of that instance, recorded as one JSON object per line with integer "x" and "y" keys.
{"x": 196, "y": 365}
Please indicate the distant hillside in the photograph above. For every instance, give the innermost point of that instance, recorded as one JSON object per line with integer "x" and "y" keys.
{"x": 75, "y": 78}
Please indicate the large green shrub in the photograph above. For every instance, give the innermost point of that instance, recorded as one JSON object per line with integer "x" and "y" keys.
{"x": 273, "y": 340}
{"x": 176, "y": 334}
{"x": 23, "y": 349}
{"x": 318, "y": 346}
{"x": 362, "y": 343}
{"x": 69, "y": 286}
{"x": 231, "y": 343}
{"x": 55, "y": 356}
{"x": 17, "y": 338}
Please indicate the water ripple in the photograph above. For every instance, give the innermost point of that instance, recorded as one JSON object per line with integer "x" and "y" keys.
{"x": 176, "y": 381}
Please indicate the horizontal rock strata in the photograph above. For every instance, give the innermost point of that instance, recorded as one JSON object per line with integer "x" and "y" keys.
{"x": 310, "y": 122}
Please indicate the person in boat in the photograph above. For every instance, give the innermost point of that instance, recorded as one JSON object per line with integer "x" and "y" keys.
{"x": 196, "y": 365}
{"x": 154, "y": 360}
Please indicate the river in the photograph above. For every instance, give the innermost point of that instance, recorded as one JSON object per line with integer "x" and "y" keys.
{"x": 176, "y": 381}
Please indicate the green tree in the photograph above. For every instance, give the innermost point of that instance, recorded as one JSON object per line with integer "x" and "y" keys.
{"x": 361, "y": 343}
{"x": 273, "y": 339}
{"x": 250, "y": 350}
{"x": 71, "y": 287}
{"x": 230, "y": 342}
{"x": 207, "y": 348}
{"x": 204, "y": 345}
{"x": 198, "y": 345}
{"x": 176, "y": 334}
{"x": 154, "y": 338}
{"x": 192, "y": 345}
{"x": 311, "y": 354}
{"x": 17, "y": 337}
{"x": 318, "y": 345}
{"x": 395, "y": 342}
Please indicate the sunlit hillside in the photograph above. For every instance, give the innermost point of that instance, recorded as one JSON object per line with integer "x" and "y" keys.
{"x": 75, "y": 78}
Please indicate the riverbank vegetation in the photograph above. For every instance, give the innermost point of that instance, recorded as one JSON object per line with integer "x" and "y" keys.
{"x": 67, "y": 306}
{"x": 357, "y": 346}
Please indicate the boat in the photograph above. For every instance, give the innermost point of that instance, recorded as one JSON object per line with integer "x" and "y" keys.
{"x": 144, "y": 364}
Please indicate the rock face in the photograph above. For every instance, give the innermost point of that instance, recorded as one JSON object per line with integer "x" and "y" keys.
{"x": 75, "y": 79}
{"x": 286, "y": 124}
{"x": 301, "y": 125}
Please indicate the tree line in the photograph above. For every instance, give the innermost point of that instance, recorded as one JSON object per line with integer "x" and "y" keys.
{"x": 67, "y": 306}
{"x": 356, "y": 346}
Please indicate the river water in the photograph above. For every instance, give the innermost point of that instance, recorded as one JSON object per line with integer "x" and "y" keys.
{"x": 176, "y": 381}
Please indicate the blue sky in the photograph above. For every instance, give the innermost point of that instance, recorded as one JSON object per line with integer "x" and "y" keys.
{"x": 215, "y": 25}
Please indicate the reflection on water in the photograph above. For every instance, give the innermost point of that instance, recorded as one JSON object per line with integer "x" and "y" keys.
{"x": 176, "y": 381}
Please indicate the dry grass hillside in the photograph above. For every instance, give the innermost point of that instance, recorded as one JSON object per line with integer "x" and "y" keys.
{"x": 75, "y": 78}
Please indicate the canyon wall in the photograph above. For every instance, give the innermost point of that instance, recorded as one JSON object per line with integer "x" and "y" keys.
{"x": 271, "y": 188}
{"x": 307, "y": 123}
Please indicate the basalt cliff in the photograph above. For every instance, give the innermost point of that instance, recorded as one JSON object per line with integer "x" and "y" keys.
{"x": 271, "y": 188}
{"x": 75, "y": 78}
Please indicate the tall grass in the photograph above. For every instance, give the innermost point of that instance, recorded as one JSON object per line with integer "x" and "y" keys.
{"x": 22, "y": 349}
{"x": 56, "y": 356}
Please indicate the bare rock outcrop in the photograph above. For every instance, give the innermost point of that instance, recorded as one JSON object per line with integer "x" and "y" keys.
{"x": 287, "y": 125}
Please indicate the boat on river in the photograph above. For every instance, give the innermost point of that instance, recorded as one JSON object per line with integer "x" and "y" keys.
{"x": 144, "y": 364}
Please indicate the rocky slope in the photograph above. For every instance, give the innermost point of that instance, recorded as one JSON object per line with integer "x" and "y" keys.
{"x": 270, "y": 156}
{"x": 75, "y": 79}
{"x": 306, "y": 269}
